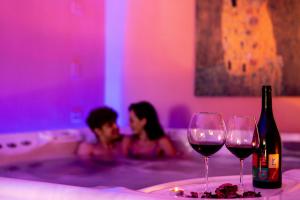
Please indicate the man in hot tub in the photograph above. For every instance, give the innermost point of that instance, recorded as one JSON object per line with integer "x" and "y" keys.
{"x": 102, "y": 122}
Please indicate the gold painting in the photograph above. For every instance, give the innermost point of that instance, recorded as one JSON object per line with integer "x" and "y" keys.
{"x": 241, "y": 47}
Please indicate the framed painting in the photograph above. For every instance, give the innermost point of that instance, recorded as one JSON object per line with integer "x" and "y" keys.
{"x": 242, "y": 46}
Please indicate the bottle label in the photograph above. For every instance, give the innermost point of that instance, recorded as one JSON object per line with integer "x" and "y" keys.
{"x": 273, "y": 167}
{"x": 274, "y": 161}
{"x": 266, "y": 167}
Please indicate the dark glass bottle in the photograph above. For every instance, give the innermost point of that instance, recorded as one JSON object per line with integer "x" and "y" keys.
{"x": 267, "y": 159}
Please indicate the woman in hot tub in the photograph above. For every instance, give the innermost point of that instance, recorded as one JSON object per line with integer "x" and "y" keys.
{"x": 148, "y": 139}
{"x": 102, "y": 122}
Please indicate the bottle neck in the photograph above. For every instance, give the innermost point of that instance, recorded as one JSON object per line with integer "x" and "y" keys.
{"x": 267, "y": 101}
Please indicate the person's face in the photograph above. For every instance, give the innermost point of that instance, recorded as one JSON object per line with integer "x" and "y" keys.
{"x": 109, "y": 131}
{"x": 137, "y": 125}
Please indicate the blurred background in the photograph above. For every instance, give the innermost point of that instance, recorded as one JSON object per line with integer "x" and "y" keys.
{"x": 61, "y": 58}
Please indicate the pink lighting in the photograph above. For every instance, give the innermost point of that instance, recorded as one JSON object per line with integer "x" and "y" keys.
{"x": 44, "y": 45}
{"x": 56, "y": 58}
{"x": 159, "y": 56}
{"x": 61, "y": 59}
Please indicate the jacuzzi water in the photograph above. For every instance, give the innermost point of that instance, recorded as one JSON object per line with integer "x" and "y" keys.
{"x": 133, "y": 174}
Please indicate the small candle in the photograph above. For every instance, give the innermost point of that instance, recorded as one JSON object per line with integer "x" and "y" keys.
{"x": 178, "y": 191}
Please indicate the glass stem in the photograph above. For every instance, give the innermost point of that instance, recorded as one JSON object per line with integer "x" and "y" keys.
{"x": 241, "y": 175}
{"x": 206, "y": 173}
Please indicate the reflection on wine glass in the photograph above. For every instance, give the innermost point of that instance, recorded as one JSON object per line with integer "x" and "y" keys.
{"x": 242, "y": 139}
{"x": 206, "y": 135}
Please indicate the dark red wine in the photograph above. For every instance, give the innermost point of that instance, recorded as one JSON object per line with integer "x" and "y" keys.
{"x": 207, "y": 148}
{"x": 241, "y": 151}
{"x": 267, "y": 159}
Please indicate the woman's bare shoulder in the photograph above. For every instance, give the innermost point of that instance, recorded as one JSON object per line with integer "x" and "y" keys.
{"x": 167, "y": 146}
{"x": 164, "y": 139}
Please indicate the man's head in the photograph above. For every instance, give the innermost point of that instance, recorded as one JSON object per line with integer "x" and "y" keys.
{"x": 102, "y": 121}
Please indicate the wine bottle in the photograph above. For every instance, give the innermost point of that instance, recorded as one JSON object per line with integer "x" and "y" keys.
{"x": 267, "y": 159}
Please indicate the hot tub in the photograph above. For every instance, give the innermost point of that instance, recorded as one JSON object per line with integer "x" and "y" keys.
{"x": 49, "y": 157}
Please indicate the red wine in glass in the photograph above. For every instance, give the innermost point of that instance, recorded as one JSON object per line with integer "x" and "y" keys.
{"x": 207, "y": 148}
{"x": 241, "y": 151}
{"x": 206, "y": 134}
{"x": 241, "y": 140}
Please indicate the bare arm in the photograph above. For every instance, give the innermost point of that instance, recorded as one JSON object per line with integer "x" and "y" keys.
{"x": 84, "y": 149}
{"x": 167, "y": 146}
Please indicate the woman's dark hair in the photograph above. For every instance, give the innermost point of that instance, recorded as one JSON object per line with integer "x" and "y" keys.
{"x": 100, "y": 116}
{"x": 145, "y": 110}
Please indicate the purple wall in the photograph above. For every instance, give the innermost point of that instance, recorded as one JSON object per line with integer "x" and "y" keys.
{"x": 51, "y": 61}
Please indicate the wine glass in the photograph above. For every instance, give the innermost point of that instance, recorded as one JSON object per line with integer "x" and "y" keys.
{"x": 242, "y": 139}
{"x": 206, "y": 134}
